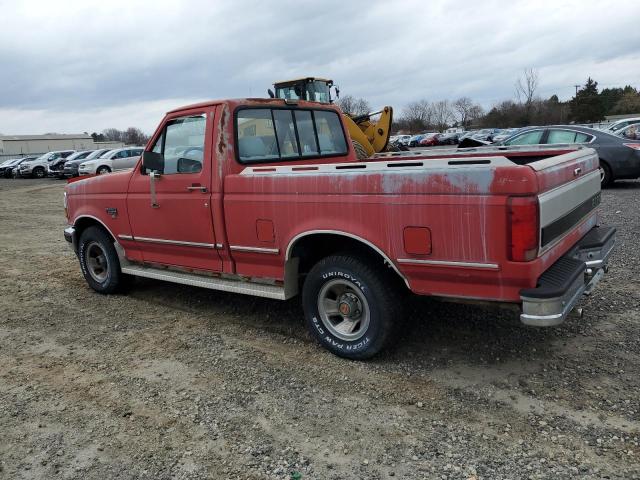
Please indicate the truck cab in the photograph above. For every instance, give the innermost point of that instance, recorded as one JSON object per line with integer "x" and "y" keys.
{"x": 267, "y": 197}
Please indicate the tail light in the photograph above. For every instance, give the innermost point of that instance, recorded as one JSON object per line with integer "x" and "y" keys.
{"x": 523, "y": 218}
{"x": 635, "y": 146}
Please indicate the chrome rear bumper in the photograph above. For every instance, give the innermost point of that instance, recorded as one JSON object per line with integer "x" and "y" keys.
{"x": 575, "y": 274}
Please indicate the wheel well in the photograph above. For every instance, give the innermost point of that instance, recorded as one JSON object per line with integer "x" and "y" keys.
{"x": 606, "y": 162}
{"x": 312, "y": 248}
{"x": 85, "y": 222}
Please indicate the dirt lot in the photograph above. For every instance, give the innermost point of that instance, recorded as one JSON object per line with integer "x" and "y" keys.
{"x": 175, "y": 382}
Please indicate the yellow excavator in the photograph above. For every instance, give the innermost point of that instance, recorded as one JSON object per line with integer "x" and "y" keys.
{"x": 368, "y": 136}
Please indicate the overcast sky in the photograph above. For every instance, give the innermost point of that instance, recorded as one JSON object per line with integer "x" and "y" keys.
{"x": 70, "y": 67}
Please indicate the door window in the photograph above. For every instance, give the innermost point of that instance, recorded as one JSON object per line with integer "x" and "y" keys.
{"x": 527, "y": 138}
{"x": 182, "y": 144}
{"x": 561, "y": 136}
{"x": 582, "y": 137}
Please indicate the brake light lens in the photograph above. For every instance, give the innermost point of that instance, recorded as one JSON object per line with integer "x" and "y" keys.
{"x": 635, "y": 146}
{"x": 524, "y": 220}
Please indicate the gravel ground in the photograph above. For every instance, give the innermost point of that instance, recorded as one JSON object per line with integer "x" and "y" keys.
{"x": 175, "y": 382}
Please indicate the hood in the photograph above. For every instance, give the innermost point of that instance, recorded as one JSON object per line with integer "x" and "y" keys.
{"x": 111, "y": 183}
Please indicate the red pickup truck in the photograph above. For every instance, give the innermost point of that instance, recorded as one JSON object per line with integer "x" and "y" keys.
{"x": 266, "y": 197}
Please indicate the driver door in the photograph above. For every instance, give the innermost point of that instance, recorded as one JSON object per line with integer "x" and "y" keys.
{"x": 173, "y": 226}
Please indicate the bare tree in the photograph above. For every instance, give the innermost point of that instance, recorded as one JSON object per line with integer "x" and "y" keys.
{"x": 134, "y": 136}
{"x": 112, "y": 134}
{"x": 442, "y": 114}
{"x": 527, "y": 85}
{"x": 354, "y": 106}
{"x": 466, "y": 111}
{"x": 418, "y": 115}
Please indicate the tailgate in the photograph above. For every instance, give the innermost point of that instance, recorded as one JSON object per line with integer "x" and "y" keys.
{"x": 570, "y": 186}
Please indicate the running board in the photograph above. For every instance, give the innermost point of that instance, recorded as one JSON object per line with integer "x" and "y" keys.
{"x": 213, "y": 283}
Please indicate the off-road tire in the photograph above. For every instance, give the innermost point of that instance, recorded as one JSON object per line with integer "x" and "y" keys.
{"x": 361, "y": 153}
{"x": 38, "y": 172}
{"x": 606, "y": 178}
{"x": 92, "y": 240}
{"x": 383, "y": 299}
{"x": 102, "y": 170}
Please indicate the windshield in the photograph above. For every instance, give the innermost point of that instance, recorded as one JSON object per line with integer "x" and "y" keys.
{"x": 316, "y": 91}
{"x": 45, "y": 156}
{"x": 77, "y": 155}
{"x": 105, "y": 154}
{"x": 96, "y": 154}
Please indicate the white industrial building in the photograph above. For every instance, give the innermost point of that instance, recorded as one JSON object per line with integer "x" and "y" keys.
{"x": 20, "y": 145}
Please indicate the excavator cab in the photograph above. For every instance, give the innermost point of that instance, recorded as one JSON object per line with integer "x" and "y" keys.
{"x": 310, "y": 89}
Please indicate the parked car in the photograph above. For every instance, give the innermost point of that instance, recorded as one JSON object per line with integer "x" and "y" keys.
{"x": 430, "y": 140}
{"x": 449, "y": 138}
{"x": 503, "y": 134}
{"x": 630, "y": 132}
{"x": 56, "y": 167}
{"x": 38, "y": 168}
{"x": 486, "y": 134}
{"x": 6, "y": 169}
{"x": 118, "y": 159}
{"x": 414, "y": 141}
{"x": 403, "y": 139}
{"x": 71, "y": 165}
{"x": 620, "y": 124}
{"x": 221, "y": 208}
{"x": 619, "y": 157}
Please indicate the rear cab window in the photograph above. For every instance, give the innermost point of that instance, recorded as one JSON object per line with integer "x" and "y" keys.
{"x": 275, "y": 134}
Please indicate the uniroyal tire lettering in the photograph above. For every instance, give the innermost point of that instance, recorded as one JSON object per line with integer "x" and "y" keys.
{"x": 346, "y": 276}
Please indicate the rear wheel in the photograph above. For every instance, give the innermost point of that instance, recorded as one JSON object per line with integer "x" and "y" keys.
{"x": 351, "y": 308}
{"x": 103, "y": 169}
{"x": 99, "y": 261}
{"x": 606, "y": 178}
{"x": 361, "y": 153}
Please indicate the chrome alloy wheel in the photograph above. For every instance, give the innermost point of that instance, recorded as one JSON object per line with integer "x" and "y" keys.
{"x": 343, "y": 309}
{"x": 96, "y": 261}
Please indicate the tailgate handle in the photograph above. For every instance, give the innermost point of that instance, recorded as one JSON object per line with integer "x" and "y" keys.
{"x": 577, "y": 172}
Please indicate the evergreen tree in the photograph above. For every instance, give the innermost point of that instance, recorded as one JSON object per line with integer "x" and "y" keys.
{"x": 587, "y": 105}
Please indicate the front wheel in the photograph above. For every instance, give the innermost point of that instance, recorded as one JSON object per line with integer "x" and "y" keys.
{"x": 103, "y": 169}
{"x": 38, "y": 172}
{"x": 351, "y": 308}
{"x": 99, "y": 261}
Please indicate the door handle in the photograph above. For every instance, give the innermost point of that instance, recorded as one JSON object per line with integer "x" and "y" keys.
{"x": 153, "y": 178}
{"x": 197, "y": 187}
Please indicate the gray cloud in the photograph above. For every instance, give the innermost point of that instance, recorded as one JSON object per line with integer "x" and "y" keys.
{"x": 119, "y": 61}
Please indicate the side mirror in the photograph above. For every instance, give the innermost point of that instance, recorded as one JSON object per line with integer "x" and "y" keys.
{"x": 153, "y": 161}
{"x": 337, "y": 91}
{"x": 271, "y": 94}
